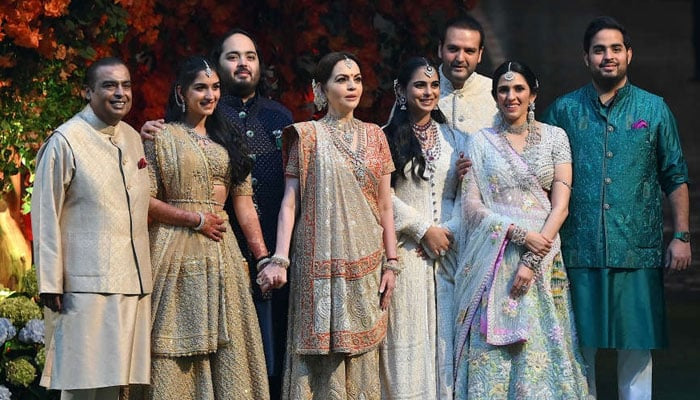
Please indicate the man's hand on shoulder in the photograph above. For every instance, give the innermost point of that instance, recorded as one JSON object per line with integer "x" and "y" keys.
{"x": 678, "y": 255}
{"x": 151, "y": 128}
{"x": 54, "y": 301}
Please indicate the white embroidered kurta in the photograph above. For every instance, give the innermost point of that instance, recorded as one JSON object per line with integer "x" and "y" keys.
{"x": 408, "y": 359}
{"x": 89, "y": 217}
{"x": 470, "y": 108}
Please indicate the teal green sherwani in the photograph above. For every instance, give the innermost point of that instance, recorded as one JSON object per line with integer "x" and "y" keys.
{"x": 625, "y": 156}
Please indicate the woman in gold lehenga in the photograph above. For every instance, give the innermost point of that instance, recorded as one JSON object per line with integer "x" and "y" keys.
{"x": 338, "y": 180}
{"x": 206, "y": 341}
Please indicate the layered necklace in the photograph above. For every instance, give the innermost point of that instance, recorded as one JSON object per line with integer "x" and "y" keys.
{"x": 202, "y": 140}
{"x": 430, "y": 144}
{"x": 529, "y": 129}
{"x": 343, "y": 134}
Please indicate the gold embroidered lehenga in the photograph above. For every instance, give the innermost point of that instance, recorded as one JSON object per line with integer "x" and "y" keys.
{"x": 336, "y": 323}
{"x": 205, "y": 341}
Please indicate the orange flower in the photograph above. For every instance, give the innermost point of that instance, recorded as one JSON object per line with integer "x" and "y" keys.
{"x": 56, "y": 8}
{"x": 23, "y": 35}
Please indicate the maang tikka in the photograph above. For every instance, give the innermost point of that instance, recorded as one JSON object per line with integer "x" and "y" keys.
{"x": 509, "y": 75}
{"x": 348, "y": 62}
{"x": 207, "y": 70}
{"x": 429, "y": 70}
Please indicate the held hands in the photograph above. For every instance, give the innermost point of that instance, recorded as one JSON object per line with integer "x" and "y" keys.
{"x": 523, "y": 280}
{"x": 386, "y": 288}
{"x": 463, "y": 165}
{"x": 678, "y": 255}
{"x": 151, "y": 128}
{"x": 437, "y": 240}
{"x": 272, "y": 276}
{"x": 213, "y": 227}
{"x": 537, "y": 243}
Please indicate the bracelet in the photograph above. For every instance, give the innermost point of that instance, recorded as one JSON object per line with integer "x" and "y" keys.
{"x": 262, "y": 262}
{"x": 517, "y": 235}
{"x": 392, "y": 264}
{"x": 281, "y": 260}
{"x": 532, "y": 261}
{"x": 202, "y": 219}
{"x": 393, "y": 259}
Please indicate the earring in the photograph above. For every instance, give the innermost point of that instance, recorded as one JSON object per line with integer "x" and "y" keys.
{"x": 531, "y": 112}
{"x": 320, "y": 99}
{"x": 179, "y": 101}
{"x": 402, "y": 102}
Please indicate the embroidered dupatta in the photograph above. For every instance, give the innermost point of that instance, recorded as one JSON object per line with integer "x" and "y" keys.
{"x": 499, "y": 190}
{"x": 337, "y": 247}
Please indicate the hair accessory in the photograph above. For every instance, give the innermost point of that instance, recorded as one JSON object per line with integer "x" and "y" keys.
{"x": 531, "y": 113}
{"x": 320, "y": 99}
{"x": 509, "y": 75}
{"x": 179, "y": 101}
{"x": 347, "y": 61}
{"x": 429, "y": 70}
{"x": 207, "y": 70}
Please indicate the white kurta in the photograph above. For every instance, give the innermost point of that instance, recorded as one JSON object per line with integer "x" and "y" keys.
{"x": 408, "y": 359}
{"x": 470, "y": 108}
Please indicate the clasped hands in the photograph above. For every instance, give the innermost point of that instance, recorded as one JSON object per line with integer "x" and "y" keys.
{"x": 272, "y": 276}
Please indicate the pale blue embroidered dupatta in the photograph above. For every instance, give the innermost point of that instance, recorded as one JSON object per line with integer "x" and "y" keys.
{"x": 499, "y": 190}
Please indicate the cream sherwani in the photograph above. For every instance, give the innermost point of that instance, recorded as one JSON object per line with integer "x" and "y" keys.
{"x": 470, "y": 108}
{"x": 89, "y": 217}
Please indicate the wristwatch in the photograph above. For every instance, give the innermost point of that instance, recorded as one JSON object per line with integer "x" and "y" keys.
{"x": 682, "y": 236}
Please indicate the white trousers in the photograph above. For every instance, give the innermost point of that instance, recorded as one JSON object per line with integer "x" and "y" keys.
{"x": 105, "y": 393}
{"x": 633, "y": 373}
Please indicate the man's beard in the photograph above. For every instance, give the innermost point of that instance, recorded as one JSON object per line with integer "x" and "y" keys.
{"x": 238, "y": 88}
{"x": 608, "y": 82}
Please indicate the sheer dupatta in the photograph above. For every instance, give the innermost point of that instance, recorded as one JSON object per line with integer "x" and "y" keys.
{"x": 337, "y": 250}
{"x": 498, "y": 191}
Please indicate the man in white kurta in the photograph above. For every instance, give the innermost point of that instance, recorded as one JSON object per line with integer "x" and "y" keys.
{"x": 465, "y": 95}
{"x": 466, "y": 101}
{"x": 89, "y": 217}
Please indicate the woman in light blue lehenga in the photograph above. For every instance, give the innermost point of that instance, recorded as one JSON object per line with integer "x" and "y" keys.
{"x": 514, "y": 332}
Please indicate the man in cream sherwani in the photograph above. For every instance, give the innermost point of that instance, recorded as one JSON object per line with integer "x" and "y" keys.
{"x": 89, "y": 216}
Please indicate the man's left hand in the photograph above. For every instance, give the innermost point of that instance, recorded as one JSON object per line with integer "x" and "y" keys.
{"x": 678, "y": 255}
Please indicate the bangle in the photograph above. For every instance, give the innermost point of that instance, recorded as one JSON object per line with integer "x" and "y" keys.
{"x": 281, "y": 260}
{"x": 262, "y": 262}
{"x": 393, "y": 259}
{"x": 532, "y": 261}
{"x": 202, "y": 219}
{"x": 392, "y": 264}
{"x": 517, "y": 235}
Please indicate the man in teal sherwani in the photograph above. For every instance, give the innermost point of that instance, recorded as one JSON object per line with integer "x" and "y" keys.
{"x": 626, "y": 153}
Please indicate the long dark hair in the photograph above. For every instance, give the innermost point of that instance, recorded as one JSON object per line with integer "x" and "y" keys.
{"x": 403, "y": 143}
{"x": 218, "y": 127}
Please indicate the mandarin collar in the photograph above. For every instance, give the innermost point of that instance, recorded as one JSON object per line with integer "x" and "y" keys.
{"x": 88, "y": 114}
{"x": 621, "y": 94}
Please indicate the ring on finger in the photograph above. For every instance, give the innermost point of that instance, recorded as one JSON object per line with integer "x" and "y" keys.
{"x": 259, "y": 281}
{"x": 442, "y": 253}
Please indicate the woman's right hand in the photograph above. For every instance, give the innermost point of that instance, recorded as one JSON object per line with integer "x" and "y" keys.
{"x": 214, "y": 227}
{"x": 150, "y": 128}
{"x": 538, "y": 243}
{"x": 437, "y": 240}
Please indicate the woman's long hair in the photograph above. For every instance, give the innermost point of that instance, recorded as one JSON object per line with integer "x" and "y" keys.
{"x": 403, "y": 143}
{"x": 218, "y": 127}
